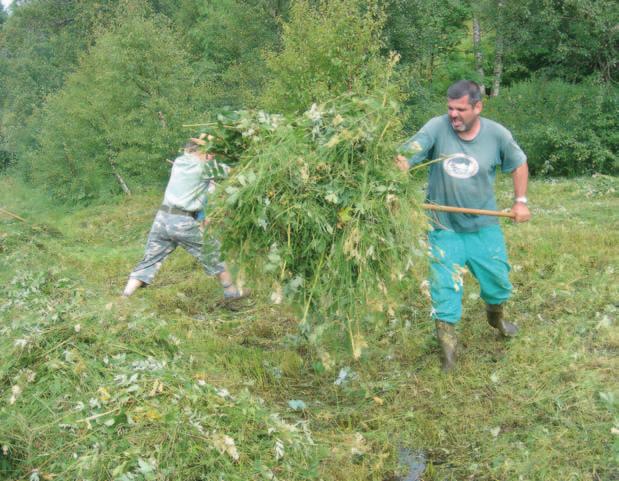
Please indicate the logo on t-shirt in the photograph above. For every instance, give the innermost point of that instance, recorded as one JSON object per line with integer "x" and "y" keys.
{"x": 460, "y": 166}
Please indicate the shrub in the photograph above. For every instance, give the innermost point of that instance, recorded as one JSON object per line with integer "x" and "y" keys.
{"x": 119, "y": 115}
{"x": 565, "y": 129}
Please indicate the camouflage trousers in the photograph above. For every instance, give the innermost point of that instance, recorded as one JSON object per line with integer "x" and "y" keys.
{"x": 170, "y": 231}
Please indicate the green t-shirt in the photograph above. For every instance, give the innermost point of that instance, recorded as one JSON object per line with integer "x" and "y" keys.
{"x": 465, "y": 178}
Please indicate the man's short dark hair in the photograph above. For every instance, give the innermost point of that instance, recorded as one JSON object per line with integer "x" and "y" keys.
{"x": 461, "y": 88}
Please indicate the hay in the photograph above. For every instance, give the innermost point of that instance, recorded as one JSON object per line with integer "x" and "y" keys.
{"x": 317, "y": 207}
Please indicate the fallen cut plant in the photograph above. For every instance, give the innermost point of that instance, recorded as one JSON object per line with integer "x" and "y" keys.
{"x": 90, "y": 396}
{"x": 317, "y": 206}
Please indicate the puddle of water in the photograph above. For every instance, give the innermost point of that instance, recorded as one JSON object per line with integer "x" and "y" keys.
{"x": 416, "y": 462}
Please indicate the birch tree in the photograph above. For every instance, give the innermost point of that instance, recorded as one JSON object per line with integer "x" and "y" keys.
{"x": 479, "y": 61}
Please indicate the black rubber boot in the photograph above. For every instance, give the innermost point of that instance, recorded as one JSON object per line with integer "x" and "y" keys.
{"x": 495, "y": 319}
{"x": 446, "y": 335}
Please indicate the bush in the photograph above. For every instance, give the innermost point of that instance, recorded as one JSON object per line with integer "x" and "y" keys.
{"x": 6, "y": 157}
{"x": 565, "y": 129}
{"x": 119, "y": 115}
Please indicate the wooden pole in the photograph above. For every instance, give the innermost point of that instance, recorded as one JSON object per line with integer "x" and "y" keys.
{"x": 4, "y": 211}
{"x": 464, "y": 210}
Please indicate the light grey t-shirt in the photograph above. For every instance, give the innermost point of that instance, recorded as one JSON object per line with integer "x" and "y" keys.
{"x": 465, "y": 178}
{"x": 189, "y": 182}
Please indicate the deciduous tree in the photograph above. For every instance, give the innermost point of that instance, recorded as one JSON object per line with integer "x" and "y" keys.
{"x": 120, "y": 114}
{"x": 327, "y": 49}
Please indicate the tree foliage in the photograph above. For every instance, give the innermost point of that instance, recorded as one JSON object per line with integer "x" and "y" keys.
{"x": 571, "y": 39}
{"x": 565, "y": 129}
{"x": 424, "y": 32}
{"x": 328, "y": 49}
{"x": 225, "y": 41}
{"x": 284, "y": 55}
{"x": 120, "y": 114}
{"x": 40, "y": 45}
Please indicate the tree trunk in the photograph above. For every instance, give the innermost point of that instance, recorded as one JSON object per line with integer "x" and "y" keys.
{"x": 479, "y": 64}
{"x": 498, "y": 51}
{"x": 121, "y": 181}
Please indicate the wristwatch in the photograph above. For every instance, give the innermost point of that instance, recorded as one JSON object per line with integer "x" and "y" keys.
{"x": 522, "y": 200}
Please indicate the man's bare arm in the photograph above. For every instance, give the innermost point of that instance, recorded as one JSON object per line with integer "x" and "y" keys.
{"x": 520, "y": 178}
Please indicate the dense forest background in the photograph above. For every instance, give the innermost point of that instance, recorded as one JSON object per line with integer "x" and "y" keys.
{"x": 95, "y": 92}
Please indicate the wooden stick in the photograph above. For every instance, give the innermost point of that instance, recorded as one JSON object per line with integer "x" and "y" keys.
{"x": 4, "y": 211}
{"x": 199, "y": 125}
{"x": 91, "y": 418}
{"x": 419, "y": 166}
{"x": 464, "y": 210}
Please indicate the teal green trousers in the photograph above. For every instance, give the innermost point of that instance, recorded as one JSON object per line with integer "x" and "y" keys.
{"x": 483, "y": 253}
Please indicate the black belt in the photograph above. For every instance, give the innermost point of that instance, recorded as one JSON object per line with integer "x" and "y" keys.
{"x": 176, "y": 211}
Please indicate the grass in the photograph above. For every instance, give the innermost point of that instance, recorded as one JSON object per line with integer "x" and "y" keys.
{"x": 97, "y": 388}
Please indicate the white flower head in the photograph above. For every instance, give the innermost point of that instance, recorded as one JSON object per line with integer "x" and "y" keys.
{"x": 225, "y": 444}
{"x": 15, "y": 393}
{"x": 279, "y": 449}
{"x": 314, "y": 113}
{"x": 424, "y": 287}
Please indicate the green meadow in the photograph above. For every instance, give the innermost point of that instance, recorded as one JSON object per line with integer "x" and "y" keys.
{"x": 166, "y": 385}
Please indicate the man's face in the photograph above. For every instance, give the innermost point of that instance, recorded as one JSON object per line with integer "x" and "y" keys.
{"x": 462, "y": 115}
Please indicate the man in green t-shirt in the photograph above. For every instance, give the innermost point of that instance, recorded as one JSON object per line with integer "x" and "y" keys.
{"x": 471, "y": 148}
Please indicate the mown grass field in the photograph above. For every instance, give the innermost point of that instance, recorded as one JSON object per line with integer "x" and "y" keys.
{"x": 167, "y": 386}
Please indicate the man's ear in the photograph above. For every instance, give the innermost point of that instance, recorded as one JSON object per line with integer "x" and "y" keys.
{"x": 478, "y": 107}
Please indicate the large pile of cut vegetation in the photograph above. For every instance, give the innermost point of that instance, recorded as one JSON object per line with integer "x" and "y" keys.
{"x": 316, "y": 206}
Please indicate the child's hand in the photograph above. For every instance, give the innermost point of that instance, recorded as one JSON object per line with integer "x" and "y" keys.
{"x": 402, "y": 163}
